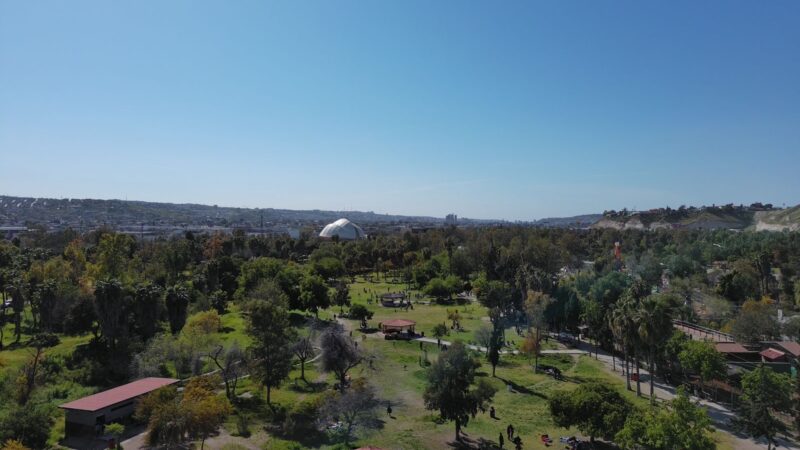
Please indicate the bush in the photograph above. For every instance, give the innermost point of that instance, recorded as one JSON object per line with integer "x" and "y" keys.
{"x": 206, "y": 322}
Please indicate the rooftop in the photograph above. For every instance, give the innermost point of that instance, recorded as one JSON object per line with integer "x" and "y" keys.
{"x": 118, "y": 394}
{"x": 771, "y": 353}
{"x": 731, "y": 347}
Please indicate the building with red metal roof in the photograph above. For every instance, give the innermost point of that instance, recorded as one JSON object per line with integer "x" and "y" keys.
{"x": 90, "y": 414}
{"x": 772, "y": 355}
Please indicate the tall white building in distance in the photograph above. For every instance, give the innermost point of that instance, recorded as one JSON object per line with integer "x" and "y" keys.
{"x": 451, "y": 219}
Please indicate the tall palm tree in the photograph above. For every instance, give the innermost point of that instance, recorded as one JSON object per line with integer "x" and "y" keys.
{"x": 620, "y": 321}
{"x": 654, "y": 318}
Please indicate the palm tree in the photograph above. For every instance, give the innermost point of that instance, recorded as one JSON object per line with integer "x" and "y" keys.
{"x": 655, "y": 327}
{"x": 620, "y": 321}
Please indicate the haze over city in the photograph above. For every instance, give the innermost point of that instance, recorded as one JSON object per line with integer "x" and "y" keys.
{"x": 509, "y": 111}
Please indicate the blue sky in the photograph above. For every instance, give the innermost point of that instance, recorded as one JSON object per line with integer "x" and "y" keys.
{"x": 515, "y": 110}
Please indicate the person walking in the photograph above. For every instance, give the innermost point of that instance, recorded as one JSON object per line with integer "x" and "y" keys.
{"x": 510, "y": 431}
{"x": 501, "y": 440}
{"x": 518, "y": 443}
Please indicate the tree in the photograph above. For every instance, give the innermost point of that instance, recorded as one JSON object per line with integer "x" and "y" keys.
{"x": 756, "y": 321}
{"x": 230, "y": 362}
{"x": 354, "y": 408}
{"x": 303, "y": 349}
{"x": 654, "y": 329}
{"x": 314, "y": 294}
{"x": 483, "y": 336}
{"x": 536, "y": 305}
{"x": 360, "y": 312}
{"x": 29, "y": 424}
{"x": 339, "y": 353}
{"x": 177, "y": 301}
{"x": 204, "y": 410}
{"x": 270, "y": 353}
{"x": 219, "y": 301}
{"x": 148, "y": 305}
{"x": 765, "y": 395}
{"x": 116, "y": 430}
{"x": 18, "y": 288}
{"x": 450, "y": 387}
{"x": 679, "y": 425}
{"x": 531, "y": 347}
{"x": 439, "y": 330}
{"x": 621, "y": 318}
{"x": 111, "y": 306}
{"x": 703, "y": 359}
{"x": 170, "y": 416}
{"x": 595, "y": 409}
{"x": 495, "y": 339}
{"x": 342, "y": 296}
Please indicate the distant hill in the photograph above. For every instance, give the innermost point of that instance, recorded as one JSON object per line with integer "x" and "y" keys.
{"x": 89, "y": 212}
{"x": 582, "y": 221}
{"x": 784, "y": 219}
{"x": 756, "y": 217}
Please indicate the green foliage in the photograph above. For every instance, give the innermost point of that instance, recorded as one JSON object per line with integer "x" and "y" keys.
{"x": 30, "y": 424}
{"x": 116, "y": 430}
{"x": 360, "y": 312}
{"x": 314, "y": 293}
{"x": 703, "y": 359}
{"x": 595, "y": 409}
{"x": 450, "y": 389}
{"x": 679, "y": 425}
{"x": 765, "y": 395}
{"x": 271, "y": 352}
{"x": 177, "y": 302}
{"x": 756, "y": 321}
{"x": 440, "y": 330}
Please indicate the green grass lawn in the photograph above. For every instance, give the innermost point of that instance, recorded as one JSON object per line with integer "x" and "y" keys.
{"x": 473, "y": 315}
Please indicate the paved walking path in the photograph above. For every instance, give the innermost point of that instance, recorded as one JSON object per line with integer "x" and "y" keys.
{"x": 568, "y": 351}
{"x": 719, "y": 414}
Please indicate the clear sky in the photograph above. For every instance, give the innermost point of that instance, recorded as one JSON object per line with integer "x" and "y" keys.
{"x": 515, "y": 110}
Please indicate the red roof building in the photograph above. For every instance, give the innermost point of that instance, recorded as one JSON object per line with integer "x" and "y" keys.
{"x": 790, "y": 347}
{"x": 90, "y": 414}
{"x": 772, "y": 355}
{"x": 398, "y": 325}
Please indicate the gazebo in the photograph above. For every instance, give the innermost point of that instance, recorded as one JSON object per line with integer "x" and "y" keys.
{"x": 398, "y": 326}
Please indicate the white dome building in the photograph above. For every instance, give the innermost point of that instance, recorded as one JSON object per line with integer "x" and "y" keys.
{"x": 344, "y": 229}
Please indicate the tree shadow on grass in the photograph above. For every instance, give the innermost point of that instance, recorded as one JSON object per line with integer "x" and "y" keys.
{"x": 516, "y": 387}
{"x": 467, "y": 443}
{"x": 307, "y": 387}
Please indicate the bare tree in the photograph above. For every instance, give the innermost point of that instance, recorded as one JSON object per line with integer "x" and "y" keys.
{"x": 231, "y": 365}
{"x": 483, "y": 336}
{"x": 354, "y": 408}
{"x": 339, "y": 353}
{"x": 304, "y": 350}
